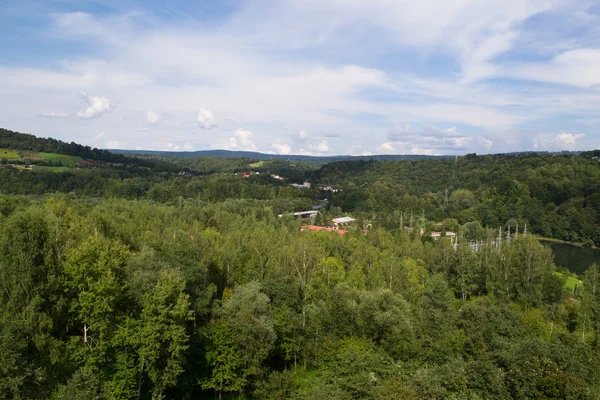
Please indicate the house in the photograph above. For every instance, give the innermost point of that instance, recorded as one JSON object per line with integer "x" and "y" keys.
{"x": 305, "y": 185}
{"x": 328, "y": 189}
{"x": 437, "y": 235}
{"x": 275, "y": 176}
{"x": 248, "y": 174}
{"x": 337, "y": 222}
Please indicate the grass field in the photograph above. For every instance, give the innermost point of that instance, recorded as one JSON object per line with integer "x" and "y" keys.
{"x": 68, "y": 161}
{"x": 256, "y": 164}
{"x": 9, "y": 154}
{"x": 571, "y": 282}
{"x": 14, "y": 155}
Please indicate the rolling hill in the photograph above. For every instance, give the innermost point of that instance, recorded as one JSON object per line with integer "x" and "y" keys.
{"x": 264, "y": 156}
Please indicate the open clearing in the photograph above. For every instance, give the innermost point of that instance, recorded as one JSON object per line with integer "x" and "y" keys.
{"x": 571, "y": 282}
{"x": 9, "y": 154}
{"x": 256, "y": 164}
{"x": 68, "y": 161}
{"x": 14, "y": 155}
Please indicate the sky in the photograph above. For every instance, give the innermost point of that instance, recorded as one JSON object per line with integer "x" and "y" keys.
{"x": 315, "y": 77}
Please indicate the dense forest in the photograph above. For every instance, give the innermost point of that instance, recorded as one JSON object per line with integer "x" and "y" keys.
{"x": 160, "y": 278}
{"x": 557, "y": 195}
{"x": 125, "y": 299}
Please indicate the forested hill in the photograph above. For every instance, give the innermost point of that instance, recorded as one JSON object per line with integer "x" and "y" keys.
{"x": 557, "y": 195}
{"x": 320, "y": 160}
{"x": 23, "y": 141}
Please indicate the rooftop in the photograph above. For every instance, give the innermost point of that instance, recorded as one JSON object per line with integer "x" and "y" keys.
{"x": 343, "y": 220}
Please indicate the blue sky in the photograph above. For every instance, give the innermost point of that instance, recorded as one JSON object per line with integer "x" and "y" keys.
{"x": 305, "y": 76}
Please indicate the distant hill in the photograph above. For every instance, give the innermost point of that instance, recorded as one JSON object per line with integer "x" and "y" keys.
{"x": 264, "y": 156}
{"x": 320, "y": 160}
{"x": 28, "y": 144}
{"x": 23, "y": 141}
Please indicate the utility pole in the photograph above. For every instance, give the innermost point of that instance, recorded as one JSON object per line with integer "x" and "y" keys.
{"x": 499, "y": 238}
{"x": 446, "y": 197}
{"x": 517, "y": 233}
{"x": 525, "y": 231}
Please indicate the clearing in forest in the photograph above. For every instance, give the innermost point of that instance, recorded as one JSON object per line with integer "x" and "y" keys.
{"x": 9, "y": 154}
{"x": 67, "y": 161}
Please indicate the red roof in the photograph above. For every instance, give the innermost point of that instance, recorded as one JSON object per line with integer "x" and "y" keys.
{"x": 323, "y": 228}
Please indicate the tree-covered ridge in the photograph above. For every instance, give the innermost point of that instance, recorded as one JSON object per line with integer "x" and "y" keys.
{"x": 123, "y": 299}
{"x": 22, "y": 141}
{"x": 556, "y": 195}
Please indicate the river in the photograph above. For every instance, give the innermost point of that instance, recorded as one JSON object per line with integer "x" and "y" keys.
{"x": 574, "y": 258}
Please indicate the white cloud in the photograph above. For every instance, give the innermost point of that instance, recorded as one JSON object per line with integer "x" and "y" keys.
{"x": 148, "y": 64}
{"x": 300, "y": 136}
{"x": 281, "y": 148}
{"x": 473, "y": 31}
{"x": 53, "y": 114}
{"x": 241, "y": 140}
{"x": 234, "y": 119}
{"x": 113, "y": 144}
{"x": 387, "y": 148}
{"x": 429, "y": 139}
{"x": 563, "y": 141}
{"x": 175, "y": 147}
{"x": 321, "y": 147}
{"x": 580, "y": 67}
{"x": 152, "y": 118}
{"x": 206, "y": 119}
{"x": 100, "y": 136}
{"x": 143, "y": 130}
{"x": 98, "y": 105}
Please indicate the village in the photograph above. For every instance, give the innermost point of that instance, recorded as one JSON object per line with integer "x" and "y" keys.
{"x": 344, "y": 224}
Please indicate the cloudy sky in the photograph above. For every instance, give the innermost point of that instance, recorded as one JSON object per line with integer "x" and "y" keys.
{"x": 305, "y": 76}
